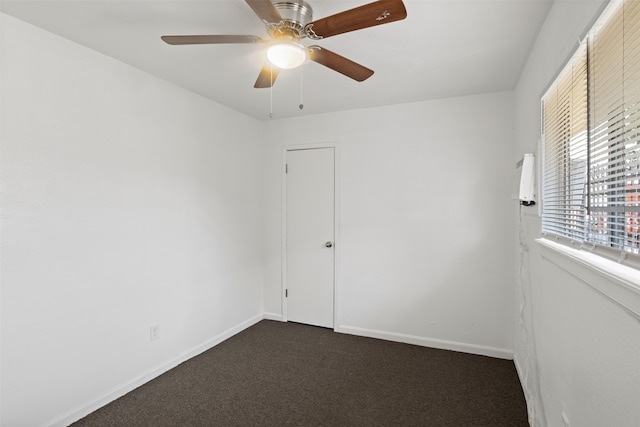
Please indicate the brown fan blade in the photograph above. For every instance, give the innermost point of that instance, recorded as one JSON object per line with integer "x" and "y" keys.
{"x": 339, "y": 63}
{"x": 267, "y": 76}
{"x": 177, "y": 40}
{"x": 265, "y": 10}
{"x": 369, "y": 15}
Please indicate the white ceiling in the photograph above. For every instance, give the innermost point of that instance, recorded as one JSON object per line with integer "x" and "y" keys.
{"x": 444, "y": 48}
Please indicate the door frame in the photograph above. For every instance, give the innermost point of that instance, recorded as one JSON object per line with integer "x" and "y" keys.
{"x": 336, "y": 222}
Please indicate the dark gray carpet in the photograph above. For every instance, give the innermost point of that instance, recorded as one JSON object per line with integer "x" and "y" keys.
{"x": 287, "y": 374}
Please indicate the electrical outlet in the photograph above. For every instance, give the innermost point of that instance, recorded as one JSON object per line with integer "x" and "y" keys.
{"x": 154, "y": 332}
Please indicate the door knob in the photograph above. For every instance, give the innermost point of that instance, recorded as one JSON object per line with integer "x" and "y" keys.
{"x": 329, "y": 244}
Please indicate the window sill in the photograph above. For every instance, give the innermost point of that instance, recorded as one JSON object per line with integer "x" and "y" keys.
{"x": 621, "y": 284}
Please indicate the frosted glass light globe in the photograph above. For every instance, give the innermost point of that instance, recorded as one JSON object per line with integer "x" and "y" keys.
{"x": 287, "y": 55}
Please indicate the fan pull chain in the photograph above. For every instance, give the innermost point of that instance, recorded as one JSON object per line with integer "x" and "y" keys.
{"x": 301, "y": 106}
{"x": 271, "y": 94}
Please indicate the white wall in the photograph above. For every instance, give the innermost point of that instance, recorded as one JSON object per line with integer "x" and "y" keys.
{"x": 126, "y": 201}
{"x": 577, "y": 351}
{"x": 426, "y": 226}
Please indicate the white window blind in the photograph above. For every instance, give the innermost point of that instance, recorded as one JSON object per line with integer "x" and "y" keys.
{"x": 564, "y": 109}
{"x": 614, "y": 67}
{"x": 591, "y": 129}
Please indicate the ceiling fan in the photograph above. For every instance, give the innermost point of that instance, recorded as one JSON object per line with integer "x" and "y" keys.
{"x": 289, "y": 21}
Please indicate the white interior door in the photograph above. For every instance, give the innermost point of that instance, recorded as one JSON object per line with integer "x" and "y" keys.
{"x": 310, "y": 214}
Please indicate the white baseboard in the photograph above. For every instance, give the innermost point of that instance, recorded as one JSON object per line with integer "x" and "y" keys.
{"x": 273, "y": 316}
{"x": 82, "y": 412}
{"x": 499, "y": 353}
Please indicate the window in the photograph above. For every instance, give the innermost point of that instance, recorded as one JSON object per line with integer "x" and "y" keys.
{"x": 591, "y": 134}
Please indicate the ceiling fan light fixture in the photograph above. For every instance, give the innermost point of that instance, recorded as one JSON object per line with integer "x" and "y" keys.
{"x": 287, "y": 55}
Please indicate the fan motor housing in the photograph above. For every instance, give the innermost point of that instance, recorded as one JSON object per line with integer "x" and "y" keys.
{"x": 296, "y": 14}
